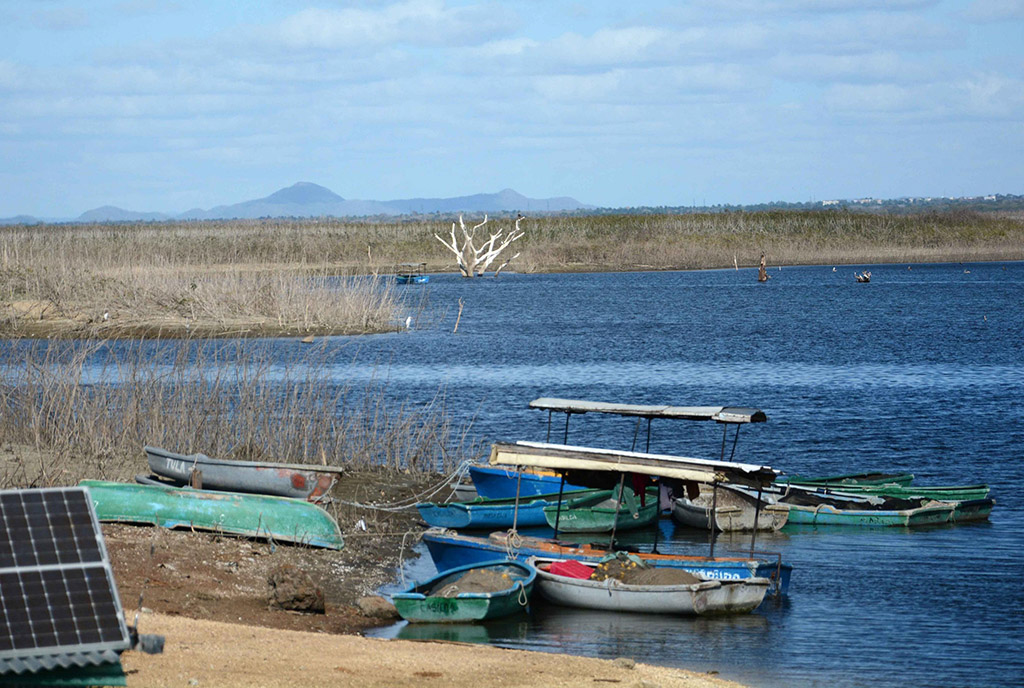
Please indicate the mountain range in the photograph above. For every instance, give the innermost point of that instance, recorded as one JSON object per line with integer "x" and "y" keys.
{"x": 306, "y": 199}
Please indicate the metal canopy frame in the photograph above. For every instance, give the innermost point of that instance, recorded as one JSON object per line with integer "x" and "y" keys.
{"x": 725, "y": 415}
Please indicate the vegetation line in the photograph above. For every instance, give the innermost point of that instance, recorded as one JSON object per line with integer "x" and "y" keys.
{"x": 329, "y": 276}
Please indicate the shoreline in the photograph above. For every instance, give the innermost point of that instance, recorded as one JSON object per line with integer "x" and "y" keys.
{"x": 226, "y": 655}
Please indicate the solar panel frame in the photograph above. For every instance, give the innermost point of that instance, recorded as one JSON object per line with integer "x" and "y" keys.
{"x": 59, "y": 604}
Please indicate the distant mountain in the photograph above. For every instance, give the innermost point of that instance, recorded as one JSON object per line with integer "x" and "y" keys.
{"x": 109, "y": 213}
{"x": 306, "y": 199}
{"x": 21, "y": 220}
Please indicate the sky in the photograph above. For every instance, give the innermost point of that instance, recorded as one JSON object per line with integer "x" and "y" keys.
{"x": 168, "y": 105}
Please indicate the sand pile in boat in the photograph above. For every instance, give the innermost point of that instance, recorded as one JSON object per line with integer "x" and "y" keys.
{"x": 632, "y": 572}
{"x": 665, "y": 576}
{"x": 476, "y": 580}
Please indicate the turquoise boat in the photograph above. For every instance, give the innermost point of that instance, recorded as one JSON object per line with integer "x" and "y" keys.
{"x": 497, "y": 513}
{"x": 279, "y": 519}
{"x": 599, "y": 513}
{"x": 449, "y": 596}
{"x": 930, "y": 513}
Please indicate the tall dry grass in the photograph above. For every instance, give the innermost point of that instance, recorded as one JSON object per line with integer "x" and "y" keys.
{"x": 90, "y": 406}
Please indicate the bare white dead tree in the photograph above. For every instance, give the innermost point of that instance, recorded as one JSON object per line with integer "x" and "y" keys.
{"x": 474, "y": 260}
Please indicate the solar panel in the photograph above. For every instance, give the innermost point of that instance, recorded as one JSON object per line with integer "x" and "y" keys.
{"x": 58, "y": 602}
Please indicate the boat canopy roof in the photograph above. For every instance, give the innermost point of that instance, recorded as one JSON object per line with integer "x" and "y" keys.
{"x": 720, "y": 414}
{"x": 567, "y": 457}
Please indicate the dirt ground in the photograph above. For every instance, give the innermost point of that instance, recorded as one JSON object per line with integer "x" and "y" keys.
{"x": 214, "y": 577}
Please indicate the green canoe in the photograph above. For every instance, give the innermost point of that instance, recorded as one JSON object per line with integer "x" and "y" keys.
{"x": 945, "y": 493}
{"x": 279, "y": 519}
{"x": 848, "y": 480}
{"x": 474, "y": 592}
{"x": 598, "y": 513}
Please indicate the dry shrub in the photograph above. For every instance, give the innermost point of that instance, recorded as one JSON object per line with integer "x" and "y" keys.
{"x": 90, "y": 407}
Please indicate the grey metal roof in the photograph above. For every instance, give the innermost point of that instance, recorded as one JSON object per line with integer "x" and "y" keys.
{"x": 721, "y": 414}
{"x": 567, "y": 457}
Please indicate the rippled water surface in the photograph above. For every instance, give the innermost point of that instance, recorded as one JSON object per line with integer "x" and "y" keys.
{"x": 920, "y": 371}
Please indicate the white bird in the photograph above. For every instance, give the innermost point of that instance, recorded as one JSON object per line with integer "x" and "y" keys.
{"x": 106, "y": 315}
{"x": 408, "y": 323}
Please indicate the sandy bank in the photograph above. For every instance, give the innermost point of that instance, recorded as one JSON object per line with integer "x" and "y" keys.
{"x": 210, "y": 653}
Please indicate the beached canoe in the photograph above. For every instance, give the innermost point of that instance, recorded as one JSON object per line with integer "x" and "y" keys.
{"x": 496, "y": 513}
{"x": 451, "y": 550}
{"x": 298, "y": 481}
{"x": 486, "y": 590}
{"x": 500, "y": 483}
{"x": 699, "y": 597}
{"x": 598, "y": 512}
{"x": 278, "y": 519}
{"x": 734, "y": 510}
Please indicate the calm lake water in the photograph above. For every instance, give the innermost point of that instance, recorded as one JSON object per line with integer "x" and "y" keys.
{"x": 920, "y": 371}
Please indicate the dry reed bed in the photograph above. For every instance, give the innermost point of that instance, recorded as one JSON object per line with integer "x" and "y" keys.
{"x": 88, "y": 408}
{"x": 266, "y": 277}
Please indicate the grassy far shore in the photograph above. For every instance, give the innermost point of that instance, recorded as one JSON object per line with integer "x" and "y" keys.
{"x": 239, "y": 278}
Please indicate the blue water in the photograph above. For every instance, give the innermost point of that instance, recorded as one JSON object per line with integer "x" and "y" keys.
{"x": 920, "y": 370}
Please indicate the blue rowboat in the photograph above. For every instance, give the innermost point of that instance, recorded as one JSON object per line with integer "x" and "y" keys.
{"x": 452, "y": 550}
{"x": 497, "y": 513}
{"x": 469, "y": 593}
{"x": 500, "y": 483}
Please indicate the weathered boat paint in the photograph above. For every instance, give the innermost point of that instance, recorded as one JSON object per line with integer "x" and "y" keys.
{"x": 734, "y": 510}
{"x": 418, "y": 604}
{"x": 450, "y": 550}
{"x": 258, "y": 516}
{"x": 496, "y": 513}
{"x": 298, "y": 481}
{"x": 703, "y": 598}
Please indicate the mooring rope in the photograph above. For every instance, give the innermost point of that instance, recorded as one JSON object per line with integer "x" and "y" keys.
{"x": 409, "y": 502}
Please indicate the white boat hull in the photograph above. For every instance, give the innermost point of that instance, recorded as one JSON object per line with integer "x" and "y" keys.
{"x": 734, "y": 511}
{"x": 706, "y": 597}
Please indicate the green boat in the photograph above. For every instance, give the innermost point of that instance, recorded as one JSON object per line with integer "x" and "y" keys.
{"x": 599, "y": 513}
{"x": 848, "y": 480}
{"x": 279, "y": 519}
{"x": 930, "y": 513}
{"x": 944, "y": 493}
{"x": 474, "y": 592}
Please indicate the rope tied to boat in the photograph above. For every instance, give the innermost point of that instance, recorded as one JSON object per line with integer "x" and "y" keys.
{"x": 523, "y": 598}
{"x": 513, "y": 543}
{"x": 411, "y": 502}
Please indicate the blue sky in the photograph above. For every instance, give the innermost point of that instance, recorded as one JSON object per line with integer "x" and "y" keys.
{"x": 166, "y": 105}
